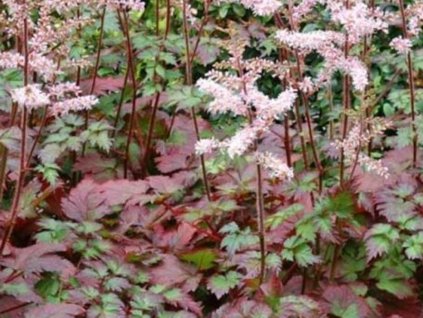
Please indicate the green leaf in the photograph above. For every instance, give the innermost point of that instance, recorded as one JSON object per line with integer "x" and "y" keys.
{"x": 50, "y": 172}
{"x": 237, "y": 239}
{"x": 404, "y": 137}
{"x": 173, "y": 294}
{"x": 297, "y": 249}
{"x": 14, "y": 289}
{"x": 353, "y": 261}
{"x": 48, "y": 287}
{"x": 184, "y": 96}
{"x": 221, "y": 284}
{"x": 203, "y": 259}
{"x": 414, "y": 246}
{"x": 223, "y": 11}
{"x": 306, "y": 230}
{"x": 379, "y": 239}
{"x": 279, "y": 217}
{"x": 399, "y": 287}
{"x": 53, "y": 231}
{"x": 110, "y": 21}
{"x": 161, "y": 71}
{"x": 116, "y": 284}
{"x": 350, "y": 312}
{"x": 230, "y": 228}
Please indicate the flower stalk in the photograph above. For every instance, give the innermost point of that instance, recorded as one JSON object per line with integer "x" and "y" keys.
{"x": 411, "y": 85}
{"x": 22, "y": 161}
{"x": 189, "y": 81}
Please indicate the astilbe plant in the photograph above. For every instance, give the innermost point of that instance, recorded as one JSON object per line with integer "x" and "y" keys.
{"x": 178, "y": 158}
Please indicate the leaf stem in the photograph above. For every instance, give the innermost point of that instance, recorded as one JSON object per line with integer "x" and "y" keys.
{"x": 260, "y": 221}
{"x": 189, "y": 81}
{"x": 122, "y": 97}
{"x": 410, "y": 84}
{"x": 346, "y": 100}
{"x": 125, "y": 30}
{"x": 95, "y": 74}
{"x": 22, "y": 161}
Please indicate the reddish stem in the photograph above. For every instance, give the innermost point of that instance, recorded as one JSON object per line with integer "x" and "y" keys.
{"x": 96, "y": 67}
{"x": 411, "y": 85}
{"x": 189, "y": 81}
{"x": 125, "y": 29}
{"x": 22, "y": 161}
{"x": 346, "y": 100}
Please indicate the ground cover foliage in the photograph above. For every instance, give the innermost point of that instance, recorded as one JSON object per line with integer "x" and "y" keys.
{"x": 178, "y": 158}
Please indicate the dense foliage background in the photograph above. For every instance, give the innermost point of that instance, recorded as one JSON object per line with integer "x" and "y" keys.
{"x": 178, "y": 158}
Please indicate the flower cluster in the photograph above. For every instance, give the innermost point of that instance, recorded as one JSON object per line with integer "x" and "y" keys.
{"x": 306, "y": 42}
{"x": 357, "y": 137}
{"x": 259, "y": 7}
{"x": 63, "y": 89}
{"x": 10, "y": 60}
{"x": 74, "y": 104}
{"x": 46, "y": 52}
{"x": 415, "y": 21}
{"x": 206, "y": 146}
{"x": 136, "y": 5}
{"x": 401, "y": 45}
{"x": 224, "y": 99}
{"x": 240, "y": 95}
{"x": 302, "y": 9}
{"x": 358, "y": 20}
{"x": 189, "y": 10}
{"x": 276, "y": 167}
{"x": 327, "y": 44}
{"x": 30, "y": 96}
{"x": 241, "y": 100}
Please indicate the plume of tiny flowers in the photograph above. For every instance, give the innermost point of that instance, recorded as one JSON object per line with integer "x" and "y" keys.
{"x": 401, "y": 45}
{"x": 275, "y": 167}
{"x": 307, "y": 42}
{"x": 206, "y": 146}
{"x": 268, "y": 108}
{"x": 306, "y": 85}
{"x": 415, "y": 22}
{"x": 358, "y": 20}
{"x": 240, "y": 142}
{"x": 37, "y": 63}
{"x": 190, "y": 11}
{"x": 327, "y": 44}
{"x": 357, "y": 70}
{"x": 373, "y": 165}
{"x": 66, "y": 98}
{"x": 302, "y": 9}
{"x": 224, "y": 99}
{"x": 61, "y": 90}
{"x": 135, "y": 5}
{"x": 43, "y": 66}
{"x": 259, "y": 7}
{"x": 357, "y": 137}
{"x": 11, "y": 60}
{"x": 74, "y": 104}
{"x": 30, "y": 97}
{"x": 240, "y": 95}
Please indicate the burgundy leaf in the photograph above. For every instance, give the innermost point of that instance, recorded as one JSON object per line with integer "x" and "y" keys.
{"x": 171, "y": 271}
{"x": 342, "y": 297}
{"x": 85, "y": 203}
{"x": 55, "y": 311}
{"x": 38, "y": 258}
{"x": 103, "y": 85}
{"x": 119, "y": 192}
